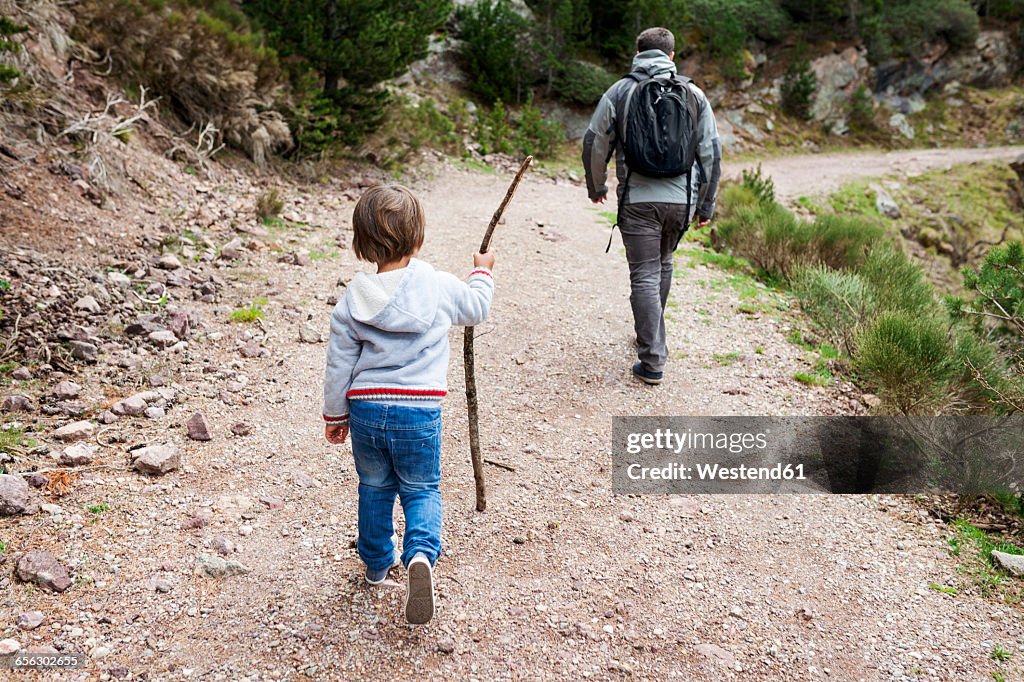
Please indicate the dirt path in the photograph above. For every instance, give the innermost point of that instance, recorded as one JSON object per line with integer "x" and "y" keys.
{"x": 807, "y": 175}
{"x": 558, "y": 579}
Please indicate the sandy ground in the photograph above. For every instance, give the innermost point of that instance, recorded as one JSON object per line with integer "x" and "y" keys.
{"x": 559, "y": 579}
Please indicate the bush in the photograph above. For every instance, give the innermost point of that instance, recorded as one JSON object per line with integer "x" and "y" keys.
{"x": 997, "y": 293}
{"x": 8, "y": 29}
{"x": 798, "y": 88}
{"x": 583, "y": 83}
{"x": 726, "y": 25}
{"x": 492, "y": 32}
{"x": 905, "y": 358}
{"x": 861, "y": 113}
{"x": 208, "y": 70}
{"x": 536, "y": 134}
{"x": 734, "y": 196}
{"x": 896, "y": 282}
{"x": 905, "y": 28}
{"x": 410, "y": 127}
{"x": 269, "y": 204}
{"x": 761, "y": 186}
{"x": 354, "y": 46}
{"x": 493, "y": 132}
{"x": 839, "y": 302}
{"x": 775, "y": 240}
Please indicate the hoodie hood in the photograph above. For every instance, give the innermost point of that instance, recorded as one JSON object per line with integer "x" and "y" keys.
{"x": 653, "y": 63}
{"x": 385, "y": 300}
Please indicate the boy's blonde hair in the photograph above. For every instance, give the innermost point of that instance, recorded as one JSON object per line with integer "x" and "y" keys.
{"x": 388, "y": 224}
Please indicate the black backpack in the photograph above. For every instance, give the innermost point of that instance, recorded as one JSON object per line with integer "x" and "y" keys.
{"x": 658, "y": 126}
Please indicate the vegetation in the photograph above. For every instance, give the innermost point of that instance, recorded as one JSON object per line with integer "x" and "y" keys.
{"x": 492, "y": 34}
{"x": 871, "y": 301}
{"x": 8, "y": 29}
{"x": 247, "y": 315}
{"x": 798, "y": 88}
{"x": 353, "y": 46}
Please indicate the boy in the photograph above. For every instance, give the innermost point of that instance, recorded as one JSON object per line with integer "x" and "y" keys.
{"x": 387, "y": 370}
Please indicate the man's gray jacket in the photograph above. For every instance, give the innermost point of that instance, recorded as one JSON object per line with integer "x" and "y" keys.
{"x": 600, "y": 141}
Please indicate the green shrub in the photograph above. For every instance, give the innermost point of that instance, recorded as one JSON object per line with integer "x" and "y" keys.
{"x": 896, "y": 282}
{"x": 734, "y": 196}
{"x": 410, "y": 127}
{"x": 774, "y": 239}
{"x": 492, "y": 33}
{"x": 997, "y": 293}
{"x": 798, "y": 88}
{"x": 861, "y": 111}
{"x": 905, "y": 28}
{"x": 726, "y": 25}
{"x": 761, "y": 186}
{"x": 905, "y": 358}
{"x": 583, "y": 83}
{"x": 840, "y": 302}
{"x": 536, "y": 134}
{"x": 8, "y": 29}
{"x": 844, "y": 241}
{"x": 493, "y": 132}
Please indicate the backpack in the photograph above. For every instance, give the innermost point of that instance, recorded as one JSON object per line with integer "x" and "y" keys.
{"x": 658, "y": 126}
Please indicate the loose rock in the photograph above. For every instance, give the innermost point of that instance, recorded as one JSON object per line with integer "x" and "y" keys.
{"x": 216, "y": 567}
{"x": 43, "y": 569}
{"x": 198, "y": 428}
{"x": 81, "y": 350}
{"x": 79, "y": 454}
{"x": 309, "y": 335}
{"x": 17, "y": 403}
{"x": 13, "y": 495}
{"x": 9, "y": 646}
{"x": 1011, "y": 563}
{"x": 157, "y": 459}
{"x": 67, "y": 390}
{"x": 75, "y": 431}
{"x": 241, "y": 429}
{"x": 30, "y": 620}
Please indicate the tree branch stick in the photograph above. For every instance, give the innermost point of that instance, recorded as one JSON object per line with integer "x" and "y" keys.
{"x": 470, "y": 365}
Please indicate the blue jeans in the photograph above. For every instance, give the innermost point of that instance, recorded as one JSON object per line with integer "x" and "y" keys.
{"x": 397, "y": 451}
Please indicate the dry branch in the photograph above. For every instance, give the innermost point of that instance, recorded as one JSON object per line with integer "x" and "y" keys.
{"x": 470, "y": 365}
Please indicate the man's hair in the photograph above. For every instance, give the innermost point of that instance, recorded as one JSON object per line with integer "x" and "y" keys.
{"x": 656, "y": 39}
{"x": 388, "y": 224}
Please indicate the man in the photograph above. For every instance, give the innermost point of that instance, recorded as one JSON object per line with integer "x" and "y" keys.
{"x": 653, "y": 212}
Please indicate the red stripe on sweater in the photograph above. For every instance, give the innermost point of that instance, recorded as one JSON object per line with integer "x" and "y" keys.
{"x": 336, "y": 419}
{"x": 481, "y": 272}
{"x": 396, "y": 391}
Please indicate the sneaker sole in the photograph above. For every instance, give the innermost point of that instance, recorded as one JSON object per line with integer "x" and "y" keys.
{"x": 419, "y": 602}
{"x": 649, "y": 382}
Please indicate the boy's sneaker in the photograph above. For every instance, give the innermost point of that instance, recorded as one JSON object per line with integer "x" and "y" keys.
{"x": 419, "y": 598}
{"x": 376, "y": 577}
{"x": 645, "y": 375}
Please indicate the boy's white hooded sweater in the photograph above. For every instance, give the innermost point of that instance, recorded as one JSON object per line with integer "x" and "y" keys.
{"x": 389, "y": 335}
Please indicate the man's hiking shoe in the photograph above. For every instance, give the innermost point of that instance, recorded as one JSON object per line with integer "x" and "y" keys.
{"x": 376, "y": 577}
{"x": 419, "y": 598}
{"x": 645, "y": 375}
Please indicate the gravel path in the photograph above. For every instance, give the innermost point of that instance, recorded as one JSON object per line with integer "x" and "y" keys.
{"x": 558, "y": 579}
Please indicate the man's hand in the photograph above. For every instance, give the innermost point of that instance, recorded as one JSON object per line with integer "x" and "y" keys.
{"x": 336, "y": 433}
{"x": 484, "y": 260}
{"x": 699, "y": 222}
{"x": 601, "y": 199}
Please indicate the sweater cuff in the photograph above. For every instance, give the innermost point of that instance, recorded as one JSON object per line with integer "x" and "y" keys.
{"x": 336, "y": 421}
{"x": 481, "y": 271}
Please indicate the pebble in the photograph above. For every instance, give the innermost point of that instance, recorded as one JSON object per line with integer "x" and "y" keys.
{"x": 198, "y": 428}
{"x": 30, "y": 620}
{"x": 17, "y": 403}
{"x": 43, "y": 569}
{"x": 66, "y": 390}
{"x": 216, "y": 567}
{"x": 75, "y": 431}
{"x": 13, "y": 495}
{"x": 79, "y": 454}
{"x": 446, "y": 645}
{"x": 22, "y": 374}
{"x": 9, "y": 646}
{"x": 241, "y": 429}
{"x": 88, "y": 304}
{"x": 157, "y": 459}
{"x": 154, "y": 412}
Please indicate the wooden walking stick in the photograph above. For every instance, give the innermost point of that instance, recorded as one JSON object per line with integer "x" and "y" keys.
{"x": 467, "y": 357}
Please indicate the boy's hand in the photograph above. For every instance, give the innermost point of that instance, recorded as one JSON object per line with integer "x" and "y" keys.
{"x": 336, "y": 433}
{"x": 484, "y": 260}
